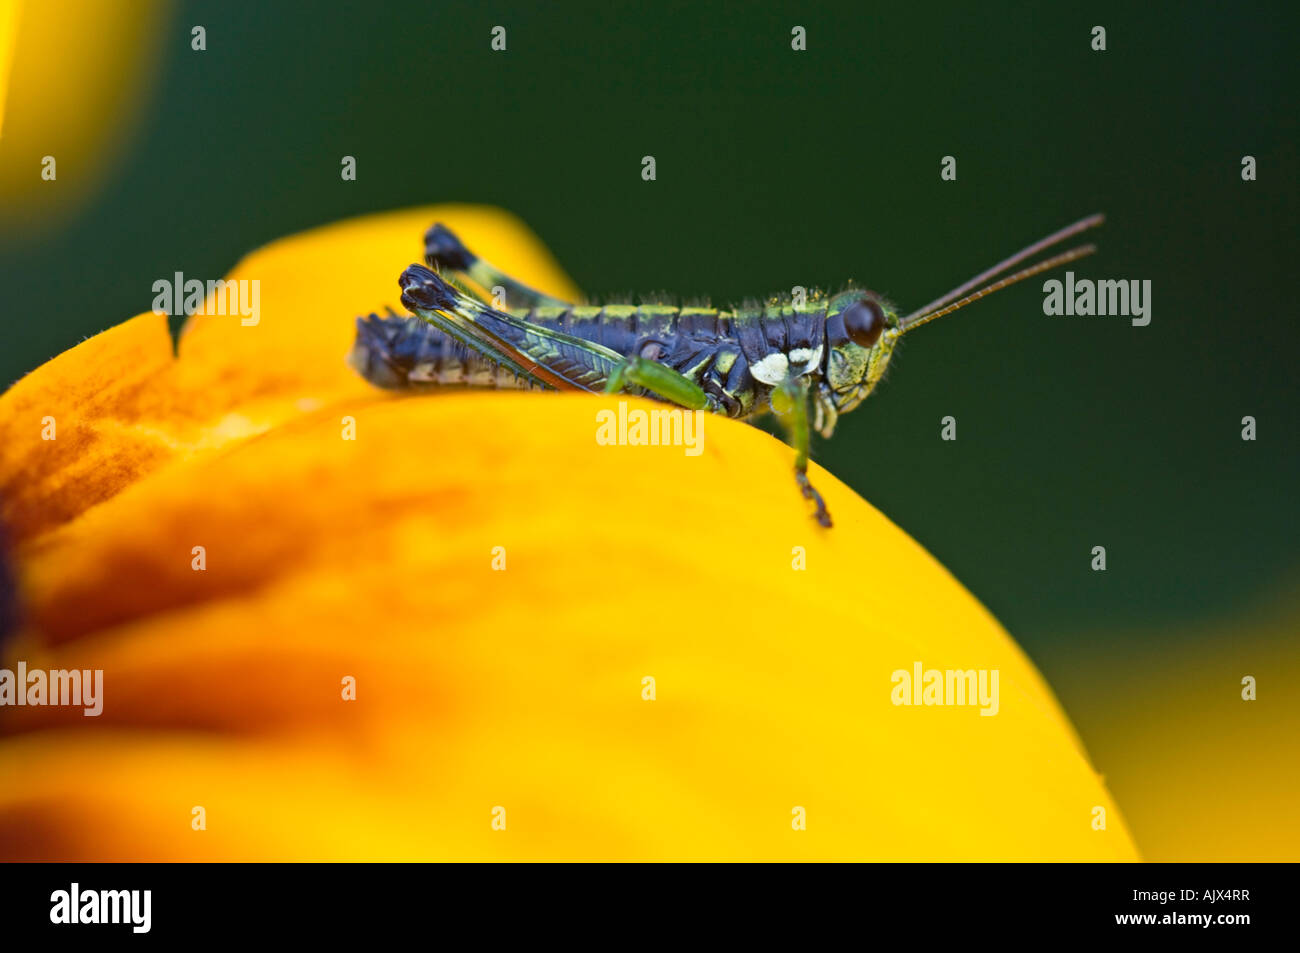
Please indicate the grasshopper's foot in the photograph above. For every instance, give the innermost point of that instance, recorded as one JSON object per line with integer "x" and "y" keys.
{"x": 822, "y": 516}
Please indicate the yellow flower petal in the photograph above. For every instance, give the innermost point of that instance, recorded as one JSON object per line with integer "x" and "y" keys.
{"x": 79, "y": 69}
{"x": 1206, "y": 775}
{"x": 8, "y": 34}
{"x": 476, "y": 688}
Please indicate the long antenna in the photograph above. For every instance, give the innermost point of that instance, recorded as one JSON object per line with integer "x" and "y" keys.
{"x": 932, "y": 310}
{"x": 912, "y": 322}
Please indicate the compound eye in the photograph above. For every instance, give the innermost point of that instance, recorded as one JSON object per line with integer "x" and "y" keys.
{"x": 864, "y": 320}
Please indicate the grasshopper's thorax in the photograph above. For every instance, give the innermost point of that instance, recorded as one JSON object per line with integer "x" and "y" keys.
{"x": 861, "y": 332}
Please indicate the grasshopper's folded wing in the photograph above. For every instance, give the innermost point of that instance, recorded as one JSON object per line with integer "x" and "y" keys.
{"x": 530, "y": 350}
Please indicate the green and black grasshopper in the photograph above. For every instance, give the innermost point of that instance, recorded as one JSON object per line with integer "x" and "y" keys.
{"x": 780, "y": 355}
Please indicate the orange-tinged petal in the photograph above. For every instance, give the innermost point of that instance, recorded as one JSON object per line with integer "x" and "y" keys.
{"x": 86, "y": 424}
{"x": 122, "y": 406}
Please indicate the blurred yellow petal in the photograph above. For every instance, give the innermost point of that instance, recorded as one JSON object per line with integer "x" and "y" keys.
{"x": 1205, "y": 774}
{"x": 79, "y": 71}
{"x": 478, "y": 689}
{"x": 8, "y": 35}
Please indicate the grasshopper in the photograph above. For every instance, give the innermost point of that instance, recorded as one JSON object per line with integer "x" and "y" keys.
{"x": 783, "y": 354}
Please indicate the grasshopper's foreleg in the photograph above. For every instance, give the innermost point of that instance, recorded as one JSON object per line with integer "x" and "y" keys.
{"x": 664, "y": 381}
{"x": 790, "y": 401}
{"x": 444, "y": 251}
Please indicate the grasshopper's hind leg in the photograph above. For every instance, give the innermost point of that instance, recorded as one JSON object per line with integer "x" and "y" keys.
{"x": 790, "y": 401}
{"x": 444, "y": 251}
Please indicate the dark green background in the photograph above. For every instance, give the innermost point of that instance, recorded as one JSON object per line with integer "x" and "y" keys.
{"x": 778, "y": 168}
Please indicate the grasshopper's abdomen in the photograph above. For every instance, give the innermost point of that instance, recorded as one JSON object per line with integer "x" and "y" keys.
{"x": 728, "y": 354}
{"x": 398, "y": 353}
{"x": 696, "y": 342}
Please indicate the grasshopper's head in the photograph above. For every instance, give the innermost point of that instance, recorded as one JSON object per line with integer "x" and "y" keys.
{"x": 861, "y": 331}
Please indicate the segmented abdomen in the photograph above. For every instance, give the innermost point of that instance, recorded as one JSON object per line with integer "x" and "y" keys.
{"x": 398, "y": 353}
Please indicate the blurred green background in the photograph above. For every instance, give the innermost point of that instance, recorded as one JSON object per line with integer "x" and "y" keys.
{"x": 778, "y": 168}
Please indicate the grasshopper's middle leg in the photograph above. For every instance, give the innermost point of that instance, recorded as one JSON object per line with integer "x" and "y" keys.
{"x": 664, "y": 381}
{"x": 790, "y": 401}
{"x": 442, "y": 249}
